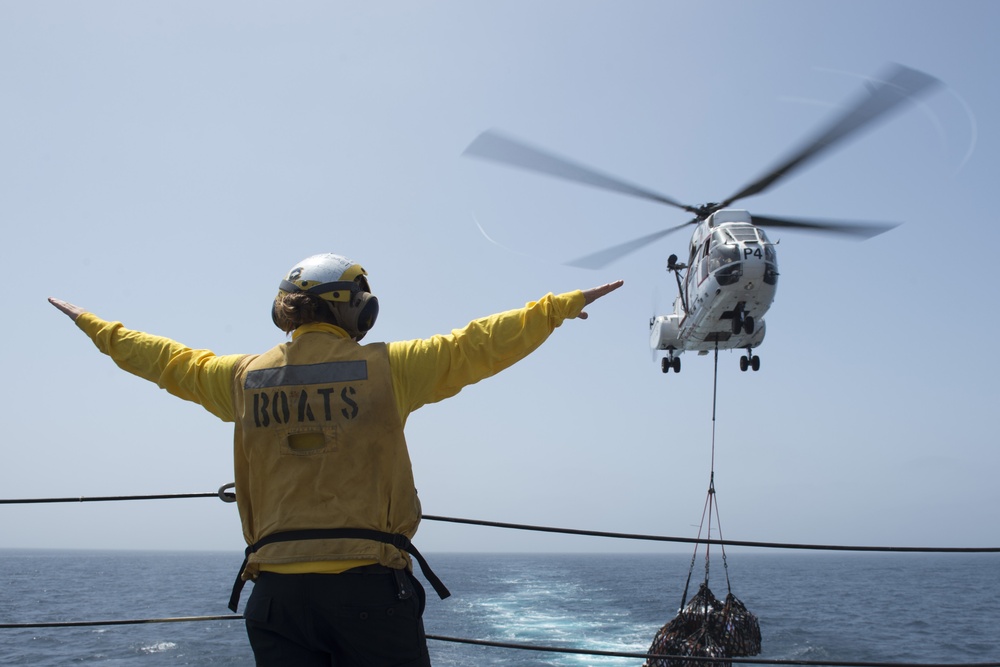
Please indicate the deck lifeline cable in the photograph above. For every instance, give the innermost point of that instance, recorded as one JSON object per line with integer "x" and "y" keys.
{"x": 552, "y": 529}
{"x": 527, "y": 647}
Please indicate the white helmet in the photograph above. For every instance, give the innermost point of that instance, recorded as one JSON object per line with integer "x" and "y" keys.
{"x": 340, "y": 282}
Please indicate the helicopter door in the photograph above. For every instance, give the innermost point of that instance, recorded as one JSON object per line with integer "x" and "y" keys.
{"x": 703, "y": 269}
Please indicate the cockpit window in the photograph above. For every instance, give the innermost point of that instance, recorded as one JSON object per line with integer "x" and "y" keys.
{"x": 745, "y": 233}
{"x": 723, "y": 254}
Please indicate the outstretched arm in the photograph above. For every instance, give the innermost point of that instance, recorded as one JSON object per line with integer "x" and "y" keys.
{"x": 194, "y": 375}
{"x": 429, "y": 370}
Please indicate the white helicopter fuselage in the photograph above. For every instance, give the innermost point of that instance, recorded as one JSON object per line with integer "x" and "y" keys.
{"x": 731, "y": 279}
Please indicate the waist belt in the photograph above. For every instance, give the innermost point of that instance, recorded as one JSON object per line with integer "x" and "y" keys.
{"x": 401, "y": 542}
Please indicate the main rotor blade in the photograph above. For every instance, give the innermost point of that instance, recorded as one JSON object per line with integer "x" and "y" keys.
{"x": 859, "y": 230}
{"x": 493, "y": 146}
{"x": 604, "y": 257}
{"x": 881, "y": 96}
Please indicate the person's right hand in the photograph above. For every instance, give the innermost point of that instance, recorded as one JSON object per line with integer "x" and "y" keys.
{"x": 71, "y": 311}
{"x": 594, "y": 293}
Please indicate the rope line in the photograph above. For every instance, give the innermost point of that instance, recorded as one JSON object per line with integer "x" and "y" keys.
{"x": 706, "y": 659}
{"x": 550, "y": 529}
{"x": 711, "y": 503}
{"x": 509, "y": 645}
{"x": 711, "y": 482}
{"x": 698, "y": 540}
{"x": 523, "y": 647}
{"x": 130, "y": 621}
{"x": 103, "y": 499}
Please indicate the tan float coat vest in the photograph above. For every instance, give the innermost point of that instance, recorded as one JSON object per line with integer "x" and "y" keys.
{"x": 319, "y": 444}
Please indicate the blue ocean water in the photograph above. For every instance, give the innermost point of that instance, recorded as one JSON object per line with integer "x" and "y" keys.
{"x": 815, "y": 606}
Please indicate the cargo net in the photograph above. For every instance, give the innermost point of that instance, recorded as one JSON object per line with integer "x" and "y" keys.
{"x": 706, "y": 628}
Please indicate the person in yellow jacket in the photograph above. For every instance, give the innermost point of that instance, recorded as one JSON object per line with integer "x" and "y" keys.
{"x": 324, "y": 484}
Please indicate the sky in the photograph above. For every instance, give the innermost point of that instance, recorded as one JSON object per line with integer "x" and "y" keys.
{"x": 164, "y": 164}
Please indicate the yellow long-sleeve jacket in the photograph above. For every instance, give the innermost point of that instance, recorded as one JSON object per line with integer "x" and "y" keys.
{"x": 419, "y": 372}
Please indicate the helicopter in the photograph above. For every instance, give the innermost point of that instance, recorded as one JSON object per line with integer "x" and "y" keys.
{"x": 731, "y": 275}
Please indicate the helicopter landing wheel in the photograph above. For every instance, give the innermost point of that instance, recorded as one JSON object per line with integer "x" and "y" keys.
{"x": 750, "y": 360}
{"x": 666, "y": 363}
{"x": 748, "y": 324}
{"x": 740, "y": 320}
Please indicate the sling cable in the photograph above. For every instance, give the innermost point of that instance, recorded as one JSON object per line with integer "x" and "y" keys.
{"x": 705, "y": 627}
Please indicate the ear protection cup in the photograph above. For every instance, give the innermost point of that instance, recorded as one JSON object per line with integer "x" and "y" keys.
{"x": 274, "y": 313}
{"x": 367, "y": 310}
{"x": 358, "y": 316}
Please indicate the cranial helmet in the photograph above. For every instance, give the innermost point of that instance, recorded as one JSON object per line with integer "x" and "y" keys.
{"x": 338, "y": 281}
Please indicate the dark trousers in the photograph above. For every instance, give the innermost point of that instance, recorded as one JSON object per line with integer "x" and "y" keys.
{"x": 353, "y": 619}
